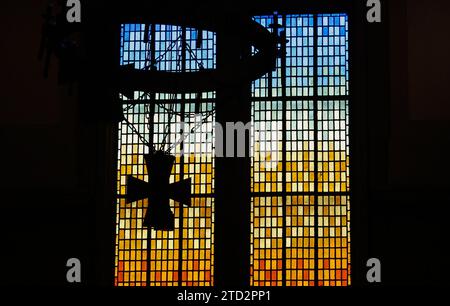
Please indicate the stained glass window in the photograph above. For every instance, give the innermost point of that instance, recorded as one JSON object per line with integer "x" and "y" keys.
{"x": 300, "y": 205}
{"x": 184, "y": 256}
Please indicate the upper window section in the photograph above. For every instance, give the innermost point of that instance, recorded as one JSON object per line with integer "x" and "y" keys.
{"x": 200, "y": 48}
{"x": 301, "y": 70}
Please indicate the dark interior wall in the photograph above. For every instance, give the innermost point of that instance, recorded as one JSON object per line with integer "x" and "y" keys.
{"x": 50, "y": 160}
{"x": 410, "y": 210}
{"x": 420, "y": 111}
{"x": 428, "y": 63}
{"x": 44, "y": 203}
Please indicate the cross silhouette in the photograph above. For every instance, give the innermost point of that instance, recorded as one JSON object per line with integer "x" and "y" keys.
{"x": 159, "y": 191}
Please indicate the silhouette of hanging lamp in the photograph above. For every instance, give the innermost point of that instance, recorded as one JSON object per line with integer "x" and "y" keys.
{"x": 158, "y": 190}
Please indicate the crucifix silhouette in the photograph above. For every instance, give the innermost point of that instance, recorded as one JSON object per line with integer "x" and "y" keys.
{"x": 159, "y": 191}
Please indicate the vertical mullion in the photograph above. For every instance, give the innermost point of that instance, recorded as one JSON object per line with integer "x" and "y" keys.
{"x": 283, "y": 150}
{"x": 316, "y": 185}
{"x": 151, "y": 131}
{"x": 182, "y": 115}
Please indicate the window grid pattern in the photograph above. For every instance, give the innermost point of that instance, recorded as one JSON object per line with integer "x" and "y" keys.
{"x": 300, "y": 178}
{"x": 333, "y": 241}
{"x": 300, "y": 55}
{"x": 134, "y": 50}
{"x": 270, "y": 84}
{"x": 266, "y": 123}
{"x": 267, "y": 237}
{"x": 332, "y": 54}
{"x": 184, "y": 256}
{"x": 312, "y": 179}
{"x": 300, "y": 146}
{"x": 266, "y": 212}
{"x": 203, "y": 57}
{"x": 300, "y": 241}
{"x": 333, "y": 150}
